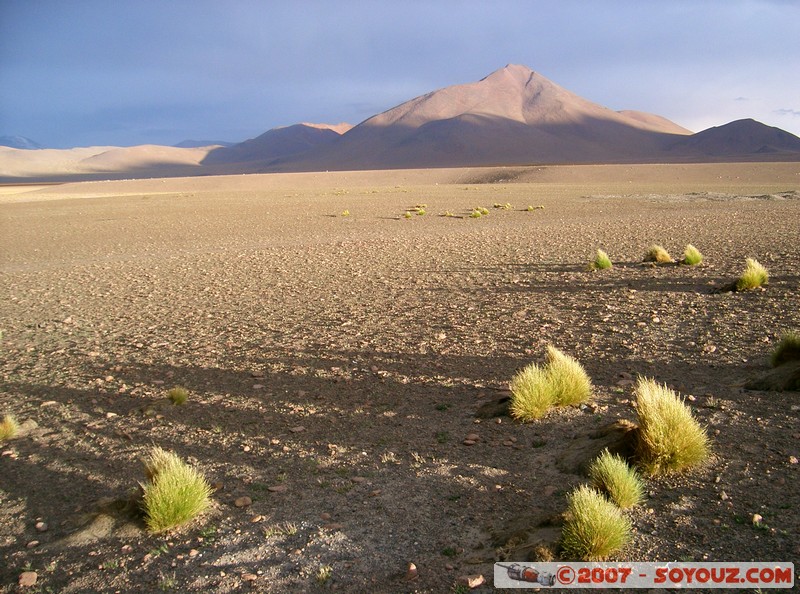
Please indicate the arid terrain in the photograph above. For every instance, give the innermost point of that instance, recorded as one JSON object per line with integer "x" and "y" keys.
{"x": 336, "y": 364}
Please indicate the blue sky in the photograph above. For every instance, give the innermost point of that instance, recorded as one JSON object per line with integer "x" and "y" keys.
{"x": 113, "y": 72}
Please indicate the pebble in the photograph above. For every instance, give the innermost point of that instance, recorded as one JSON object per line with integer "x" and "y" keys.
{"x": 257, "y": 387}
{"x": 470, "y": 581}
{"x": 468, "y": 442}
{"x": 257, "y": 519}
{"x": 358, "y": 479}
{"x": 298, "y": 429}
{"x": 194, "y": 553}
{"x": 243, "y": 501}
{"x": 723, "y": 495}
{"x": 249, "y": 577}
{"x": 793, "y": 460}
{"x": 41, "y": 526}
{"x": 473, "y": 437}
{"x": 757, "y": 519}
{"x": 411, "y": 572}
{"x": 278, "y": 489}
{"x": 32, "y": 544}
{"x": 27, "y": 579}
{"x": 325, "y": 516}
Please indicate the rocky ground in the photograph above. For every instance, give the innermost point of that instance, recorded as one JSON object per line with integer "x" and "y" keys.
{"x": 336, "y": 365}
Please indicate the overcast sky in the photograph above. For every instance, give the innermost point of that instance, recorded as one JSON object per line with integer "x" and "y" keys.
{"x": 107, "y": 72}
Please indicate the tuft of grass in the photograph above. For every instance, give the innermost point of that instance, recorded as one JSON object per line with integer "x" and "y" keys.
{"x": 691, "y": 256}
{"x": 612, "y": 475}
{"x": 754, "y": 276}
{"x": 531, "y": 396}
{"x": 420, "y": 211}
{"x": 788, "y": 349}
{"x": 9, "y": 428}
{"x": 656, "y": 253}
{"x": 475, "y": 214}
{"x": 178, "y": 395}
{"x": 562, "y": 381}
{"x": 601, "y": 261}
{"x": 324, "y": 574}
{"x": 568, "y": 380}
{"x": 174, "y": 494}
{"x": 595, "y": 528}
{"x": 407, "y": 214}
{"x": 670, "y": 438}
{"x": 345, "y": 213}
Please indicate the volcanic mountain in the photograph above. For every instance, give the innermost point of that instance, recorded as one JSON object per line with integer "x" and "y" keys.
{"x": 277, "y": 143}
{"x": 741, "y": 138}
{"x": 513, "y": 116}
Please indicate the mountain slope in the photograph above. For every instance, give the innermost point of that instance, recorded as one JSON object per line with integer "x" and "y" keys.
{"x": 276, "y": 143}
{"x": 739, "y": 138}
{"x": 19, "y": 142}
{"x": 513, "y": 116}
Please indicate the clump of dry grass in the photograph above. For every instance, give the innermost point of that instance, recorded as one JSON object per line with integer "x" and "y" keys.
{"x": 595, "y": 528}
{"x": 174, "y": 494}
{"x": 178, "y": 395}
{"x": 531, "y": 395}
{"x": 788, "y": 349}
{"x": 691, "y": 256}
{"x": 670, "y": 438}
{"x": 601, "y": 261}
{"x": 9, "y": 428}
{"x": 611, "y": 474}
{"x": 656, "y": 253}
{"x": 562, "y": 381}
{"x": 568, "y": 380}
{"x": 754, "y": 276}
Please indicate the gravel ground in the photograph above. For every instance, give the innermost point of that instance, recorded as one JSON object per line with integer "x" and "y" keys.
{"x": 335, "y": 365}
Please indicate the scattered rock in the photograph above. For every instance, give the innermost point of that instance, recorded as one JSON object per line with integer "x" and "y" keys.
{"x": 278, "y": 489}
{"x": 495, "y": 408}
{"x": 468, "y": 442}
{"x": 411, "y": 573}
{"x": 32, "y": 544}
{"x": 41, "y": 526}
{"x": 243, "y": 501}
{"x": 619, "y": 437}
{"x": 785, "y": 378}
{"x": 298, "y": 429}
{"x": 470, "y": 581}
{"x": 249, "y": 577}
{"x": 325, "y": 516}
{"x": 27, "y": 579}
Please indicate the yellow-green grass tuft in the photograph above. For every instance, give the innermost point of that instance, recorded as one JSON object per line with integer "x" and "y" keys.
{"x": 754, "y": 276}
{"x": 595, "y": 528}
{"x": 788, "y": 349}
{"x": 174, "y": 494}
{"x": 531, "y": 393}
{"x": 568, "y": 380}
{"x": 612, "y": 475}
{"x": 601, "y": 261}
{"x": 656, "y": 253}
{"x": 691, "y": 256}
{"x": 562, "y": 381}
{"x": 670, "y": 438}
{"x": 178, "y": 395}
{"x": 9, "y": 428}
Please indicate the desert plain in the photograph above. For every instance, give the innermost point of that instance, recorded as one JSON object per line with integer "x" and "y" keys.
{"x": 338, "y": 354}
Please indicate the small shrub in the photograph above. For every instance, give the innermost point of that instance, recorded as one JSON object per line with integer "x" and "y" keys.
{"x": 670, "y": 438}
{"x": 656, "y": 253}
{"x": 691, "y": 256}
{"x": 324, "y": 574}
{"x": 175, "y": 492}
{"x": 420, "y": 211}
{"x": 531, "y": 393}
{"x": 595, "y": 528}
{"x": 754, "y": 276}
{"x": 788, "y": 349}
{"x": 9, "y": 428}
{"x": 475, "y": 214}
{"x": 611, "y": 474}
{"x": 601, "y": 261}
{"x": 561, "y": 381}
{"x": 345, "y": 213}
{"x": 178, "y": 395}
{"x": 567, "y": 378}
{"x": 407, "y": 214}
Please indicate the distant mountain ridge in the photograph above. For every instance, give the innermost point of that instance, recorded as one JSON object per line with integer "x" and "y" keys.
{"x": 19, "y": 142}
{"x": 514, "y": 116}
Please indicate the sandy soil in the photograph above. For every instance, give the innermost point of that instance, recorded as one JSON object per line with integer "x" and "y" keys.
{"x": 336, "y": 365}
